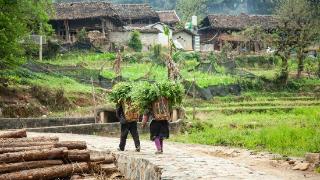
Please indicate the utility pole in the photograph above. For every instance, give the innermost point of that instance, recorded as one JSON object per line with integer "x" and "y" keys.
{"x": 40, "y": 43}
{"x": 40, "y": 48}
{"x": 193, "y": 97}
{"x": 94, "y": 102}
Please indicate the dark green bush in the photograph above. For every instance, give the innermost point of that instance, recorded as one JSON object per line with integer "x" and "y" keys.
{"x": 82, "y": 35}
{"x": 31, "y": 48}
{"x": 135, "y": 41}
{"x": 133, "y": 57}
{"x": 256, "y": 61}
{"x": 51, "y": 50}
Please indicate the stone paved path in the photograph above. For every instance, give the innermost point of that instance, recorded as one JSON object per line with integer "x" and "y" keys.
{"x": 177, "y": 162}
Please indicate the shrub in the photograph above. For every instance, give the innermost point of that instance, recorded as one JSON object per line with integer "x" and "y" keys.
{"x": 31, "y": 48}
{"x": 318, "y": 72}
{"x": 135, "y": 41}
{"x": 82, "y": 35}
{"x": 256, "y": 61}
{"x": 52, "y": 49}
{"x": 157, "y": 51}
{"x": 311, "y": 65}
{"x": 133, "y": 57}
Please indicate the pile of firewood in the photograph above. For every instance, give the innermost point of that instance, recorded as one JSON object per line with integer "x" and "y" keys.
{"x": 23, "y": 157}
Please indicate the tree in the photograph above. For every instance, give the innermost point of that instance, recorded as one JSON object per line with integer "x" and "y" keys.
{"x": 18, "y": 18}
{"x": 186, "y": 9}
{"x": 135, "y": 41}
{"x": 257, "y": 35}
{"x": 261, "y": 7}
{"x": 298, "y": 28}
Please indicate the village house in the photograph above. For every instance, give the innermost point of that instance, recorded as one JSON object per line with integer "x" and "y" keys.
{"x": 148, "y": 35}
{"x": 169, "y": 17}
{"x": 136, "y": 14}
{"x": 184, "y": 39}
{"x": 71, "y": 18}
{"x": 111, "y": 24}
{"x": 216, "y": 30}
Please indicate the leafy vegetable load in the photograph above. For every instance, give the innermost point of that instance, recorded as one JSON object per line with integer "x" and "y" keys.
{"x": 120, "y": 92}
{"x": 143, "y": 95}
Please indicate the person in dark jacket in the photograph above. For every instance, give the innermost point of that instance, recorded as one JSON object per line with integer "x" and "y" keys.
{"x": 127, "y": 127}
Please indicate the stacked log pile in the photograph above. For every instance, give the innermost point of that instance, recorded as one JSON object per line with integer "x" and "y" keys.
{"x": 27, "y": 158}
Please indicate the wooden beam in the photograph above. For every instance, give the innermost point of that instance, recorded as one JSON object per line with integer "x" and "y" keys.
{"x": 103, "y": 23}
{"x": 66, "y": 25}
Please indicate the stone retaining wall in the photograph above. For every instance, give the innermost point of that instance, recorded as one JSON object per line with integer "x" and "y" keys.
{"x": 18, "y": 123}
{"x": 131, "y": 167}
{"x": 101, "y": 128}
{"x": 137, "y": 168}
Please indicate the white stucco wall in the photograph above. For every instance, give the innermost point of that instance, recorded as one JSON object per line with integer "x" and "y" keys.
{"x": 122, "y": 38}
{"x": 185, "y": 40}
{"x": 162, "y": 38}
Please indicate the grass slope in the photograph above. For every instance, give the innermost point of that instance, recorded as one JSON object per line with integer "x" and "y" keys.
{"x": 292, "y": 129}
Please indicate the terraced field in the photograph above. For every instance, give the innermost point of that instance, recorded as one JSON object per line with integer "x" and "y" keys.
{"x": 285, "y": 123}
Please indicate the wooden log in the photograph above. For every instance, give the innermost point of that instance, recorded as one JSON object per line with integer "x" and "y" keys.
{"x": 77, "y": 155}
{"x": 14, "y": 134}
{"x": 33, "y": 139}
{"x": 108, "y": 169}
{"x": 72, "y": 144}
{"x": 52, "y": 172}
{"x": 68, "y": 144}
{"x": 97, "y": 158}
{"x": 45, "y": 154}
{"x": 102, "y": 159}
{"x": 18, "y": 149}
{"x": 26, "y": 144}
{"x": 11, "y": 167}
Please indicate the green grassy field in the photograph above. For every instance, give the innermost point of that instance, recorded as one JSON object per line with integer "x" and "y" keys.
{"x": 285, "y": 121}
{"x": 289, "y": 125}
{"x": 69, "y": 85}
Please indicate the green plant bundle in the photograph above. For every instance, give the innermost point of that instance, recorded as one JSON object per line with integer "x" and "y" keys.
{"x": 120, "y": 92}
{"x": 143, "y": 94}
{"x": 172, "y": 91}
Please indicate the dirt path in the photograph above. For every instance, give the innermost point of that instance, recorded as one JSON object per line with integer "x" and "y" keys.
{"x": 183, "y": 161}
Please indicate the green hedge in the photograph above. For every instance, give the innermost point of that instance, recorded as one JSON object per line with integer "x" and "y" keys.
{"x": 256, "y": 61}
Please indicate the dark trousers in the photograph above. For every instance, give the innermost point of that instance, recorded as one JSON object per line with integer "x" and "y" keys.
{"x": 125, "y": 129}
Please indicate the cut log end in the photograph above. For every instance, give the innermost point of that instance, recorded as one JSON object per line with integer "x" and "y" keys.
{"x": 52, "y": 172}
{"x": 80, "y": 145}
{"x": 14, "y": 134}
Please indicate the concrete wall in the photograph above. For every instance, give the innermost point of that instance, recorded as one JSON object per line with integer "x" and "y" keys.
{"x": 185, "y": 40}
{"x": 18, "y": 123}
{"x": 102, "y": 128}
